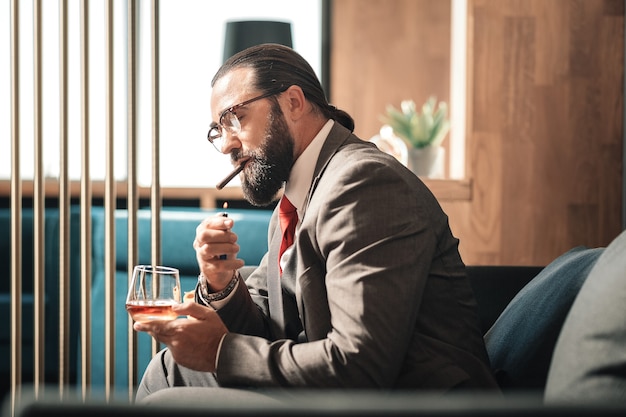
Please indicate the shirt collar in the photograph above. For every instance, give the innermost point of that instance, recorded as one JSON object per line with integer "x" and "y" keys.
{"x": 301, "y": 175}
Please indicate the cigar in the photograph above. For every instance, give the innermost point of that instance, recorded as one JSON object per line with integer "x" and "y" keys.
{"x": 233, "y": 174}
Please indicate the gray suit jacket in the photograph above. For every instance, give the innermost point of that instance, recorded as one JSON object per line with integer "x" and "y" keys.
{"x": 375, "y": 293}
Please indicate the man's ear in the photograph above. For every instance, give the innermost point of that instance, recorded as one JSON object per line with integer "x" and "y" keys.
{"x": 294, "y": 102}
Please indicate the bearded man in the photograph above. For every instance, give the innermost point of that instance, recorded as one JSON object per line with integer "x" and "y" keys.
{"x": 365, "y": 289}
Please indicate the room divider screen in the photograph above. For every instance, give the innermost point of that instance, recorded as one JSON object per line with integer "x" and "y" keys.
{"x": 17, "y": 182}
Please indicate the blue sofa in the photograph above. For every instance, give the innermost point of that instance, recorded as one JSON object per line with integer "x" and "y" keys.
{"x": 51, "y": 272}
{"x": 178, "y": 230}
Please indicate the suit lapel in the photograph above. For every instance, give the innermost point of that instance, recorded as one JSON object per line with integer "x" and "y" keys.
{"x": 336, "y": 138}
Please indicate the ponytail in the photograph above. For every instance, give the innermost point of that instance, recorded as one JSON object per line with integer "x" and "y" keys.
{"x": 340, "y": 117}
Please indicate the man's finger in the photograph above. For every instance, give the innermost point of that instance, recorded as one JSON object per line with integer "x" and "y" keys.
{"x": 193, "y": 309}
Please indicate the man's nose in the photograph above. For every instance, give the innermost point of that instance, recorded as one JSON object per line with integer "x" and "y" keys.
{"x": 231, "y": 142}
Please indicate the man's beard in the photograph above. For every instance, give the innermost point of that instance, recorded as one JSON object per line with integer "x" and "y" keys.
{"x": 271, "y": 164}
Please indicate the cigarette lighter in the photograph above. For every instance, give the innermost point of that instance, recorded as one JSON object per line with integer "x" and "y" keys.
{"x": 224, "y": 214}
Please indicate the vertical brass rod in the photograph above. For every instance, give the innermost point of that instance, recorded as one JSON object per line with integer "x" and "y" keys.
{"x": 16, "y": 213}
{"x": 38, "y": 210}
{"x": 63, "y": 334}
{"x": 155, "y": 189}
{"x": 132, "y": 202}
{"x": 109, "y": 209}
{"x": 64, "y": 196}
{"x": 85, "y": 198}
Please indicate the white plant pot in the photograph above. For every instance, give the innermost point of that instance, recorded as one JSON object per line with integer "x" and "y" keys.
{"x": 427, "y": 162}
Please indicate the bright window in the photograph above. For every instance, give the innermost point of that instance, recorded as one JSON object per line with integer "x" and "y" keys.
{"x": 192, "y": 38}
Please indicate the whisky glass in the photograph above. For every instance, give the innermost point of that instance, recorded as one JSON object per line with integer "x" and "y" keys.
{"x": 152, "y": 292}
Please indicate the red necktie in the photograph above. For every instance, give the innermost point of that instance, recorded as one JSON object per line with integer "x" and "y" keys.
{"x": 288, "y": 219}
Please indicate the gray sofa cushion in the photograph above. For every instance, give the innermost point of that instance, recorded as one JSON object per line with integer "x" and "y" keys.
{"x": 589, "y": 361}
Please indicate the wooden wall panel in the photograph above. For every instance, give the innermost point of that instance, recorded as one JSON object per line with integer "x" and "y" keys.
{"x": 545, "y": 121}
{"x": 554, "y": 82}
{"x": 386, "y": 51}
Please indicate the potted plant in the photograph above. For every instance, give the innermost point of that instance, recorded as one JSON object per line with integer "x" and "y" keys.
{"x": 423, "y": 134}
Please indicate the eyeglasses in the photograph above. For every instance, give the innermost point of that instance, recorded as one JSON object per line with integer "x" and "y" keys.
{"x": 230, "y": 123}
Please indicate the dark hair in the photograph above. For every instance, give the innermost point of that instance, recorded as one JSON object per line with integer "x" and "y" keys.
{"x": 278, "y": 67}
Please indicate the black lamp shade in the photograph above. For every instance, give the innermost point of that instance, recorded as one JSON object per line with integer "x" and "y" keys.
{"x": 244, "y": 34}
